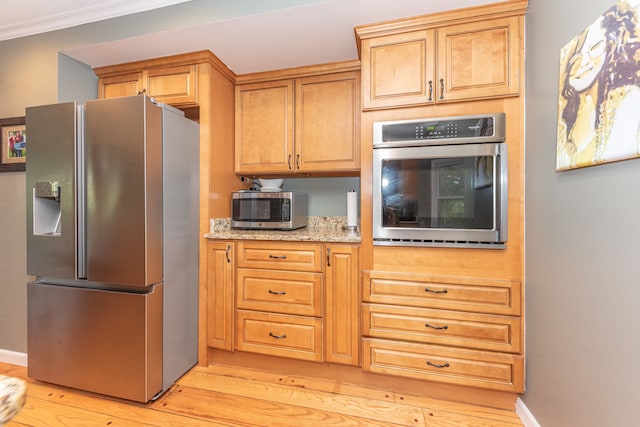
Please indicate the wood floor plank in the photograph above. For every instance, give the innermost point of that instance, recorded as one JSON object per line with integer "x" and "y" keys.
{"x": 249, "y": 374}
{"x": 250, "y": 411}
{"x": 437, "y": 418}
{"x": 340, "y": 388}
{"x": 497, "y": 415}
{"x": 384, "y": 411}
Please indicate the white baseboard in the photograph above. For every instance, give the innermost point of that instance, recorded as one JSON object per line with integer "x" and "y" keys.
{"x": 13, "y": 357}
{"x": 525, "y": 414}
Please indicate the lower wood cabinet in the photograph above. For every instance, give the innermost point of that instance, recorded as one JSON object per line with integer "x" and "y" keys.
{"x": 456, "y": 330}
{"x": 220, "y": 292}
{"x": 290, "y": 299}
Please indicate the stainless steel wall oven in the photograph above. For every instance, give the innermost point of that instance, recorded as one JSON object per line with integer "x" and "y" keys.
{"x": 440, "y": 182}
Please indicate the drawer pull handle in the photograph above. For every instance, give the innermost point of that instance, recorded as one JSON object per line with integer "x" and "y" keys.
{"x": 445, "y": 327}
{"x": 430, "y": 90}
{"x": 434, "y": 291}
{"x": 328, "y": 257}
{"x": 277, "y": 292}
{"x": 441, "y": 88}
{"x": 289, "y": 162}
{"x": 271, "y": 334}
{"x": 277, "y": 256}
{"x": 227, "y": 253}
{"x": 435, "y": 365}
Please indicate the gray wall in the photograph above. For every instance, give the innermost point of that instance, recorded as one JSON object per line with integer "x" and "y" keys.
{"x": 582, "y": 290}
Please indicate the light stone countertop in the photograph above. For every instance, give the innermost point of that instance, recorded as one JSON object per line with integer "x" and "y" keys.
{"x": 319, "y": 229}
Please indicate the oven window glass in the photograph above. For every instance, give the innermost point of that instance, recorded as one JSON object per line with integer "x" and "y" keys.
{"x": 453, "y": 193}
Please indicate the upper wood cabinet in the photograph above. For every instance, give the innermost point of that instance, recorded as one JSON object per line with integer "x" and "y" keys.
{"x": 264, "y": 127}
{"x": 474, "y": 60}
{"x": 308, "y": 124}
{"x": 177, "y": 86}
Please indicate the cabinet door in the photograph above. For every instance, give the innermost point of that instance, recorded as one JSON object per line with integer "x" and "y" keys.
{"x": 173, "y": 85}
{"x": 220, "y": 295}
{"x": 479, "y": 60}
{"x": 397, "y": 70}
{"x": 264, "y": 127}
{"x": 327, "y": 123}
{"x": 342, "y": 332}
{"x": 122, "y": 85}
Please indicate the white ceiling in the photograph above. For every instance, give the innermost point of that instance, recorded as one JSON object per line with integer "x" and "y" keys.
{"x": 312, "y": 33}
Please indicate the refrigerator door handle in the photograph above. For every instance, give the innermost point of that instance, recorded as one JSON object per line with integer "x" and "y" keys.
{"x": 81, "y": 237}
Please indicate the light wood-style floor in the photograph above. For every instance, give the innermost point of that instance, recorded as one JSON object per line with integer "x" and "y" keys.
{"x": 228, "y": 396}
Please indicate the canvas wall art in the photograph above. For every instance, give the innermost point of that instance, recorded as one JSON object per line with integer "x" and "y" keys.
{"x": 599, "y": 91}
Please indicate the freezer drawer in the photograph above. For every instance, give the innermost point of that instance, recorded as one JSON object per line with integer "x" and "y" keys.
{"x": 107, "y": 342}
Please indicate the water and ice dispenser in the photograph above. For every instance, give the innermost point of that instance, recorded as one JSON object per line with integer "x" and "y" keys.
{"x": 47, "y": 212}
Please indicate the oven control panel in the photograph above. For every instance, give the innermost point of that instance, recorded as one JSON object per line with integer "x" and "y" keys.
{"x": 463, "y": 129}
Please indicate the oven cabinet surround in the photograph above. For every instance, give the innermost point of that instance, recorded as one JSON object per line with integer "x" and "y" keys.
{"x": 203, "y": 87}
{"x": 297, "y": 300}
{"x": 472, "y": 335}
{"x": 441, "y": 58}
{"x": 299, "y": 121}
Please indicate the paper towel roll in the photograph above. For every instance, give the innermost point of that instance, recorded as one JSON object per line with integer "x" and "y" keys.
{"x": 352, "y": 208}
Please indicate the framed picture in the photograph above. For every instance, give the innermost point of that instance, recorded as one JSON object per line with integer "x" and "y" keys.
{"x": 13, "y": 156}
{"x": 599, "y": 91}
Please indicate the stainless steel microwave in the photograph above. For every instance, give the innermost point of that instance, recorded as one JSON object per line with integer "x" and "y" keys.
{"x": 440, "y": 182}
{"x": 276, "y": 210}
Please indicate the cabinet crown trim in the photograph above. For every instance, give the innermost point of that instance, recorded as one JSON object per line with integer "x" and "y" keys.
{"x": 297, "y": 72}
{"x": 198, "y": 57}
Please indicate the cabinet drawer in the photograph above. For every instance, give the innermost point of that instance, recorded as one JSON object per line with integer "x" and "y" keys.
{"x": 280, "y": 335}
{"x": 479, "y": 331}
{"x": 289, "y": 292}
{"x": 285, "y": 256}
{"x": 451, "y": 293}
{"x": 454, "y": 366}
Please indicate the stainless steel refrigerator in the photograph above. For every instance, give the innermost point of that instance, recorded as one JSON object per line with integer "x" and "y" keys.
{"x": 112, "y": 238}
